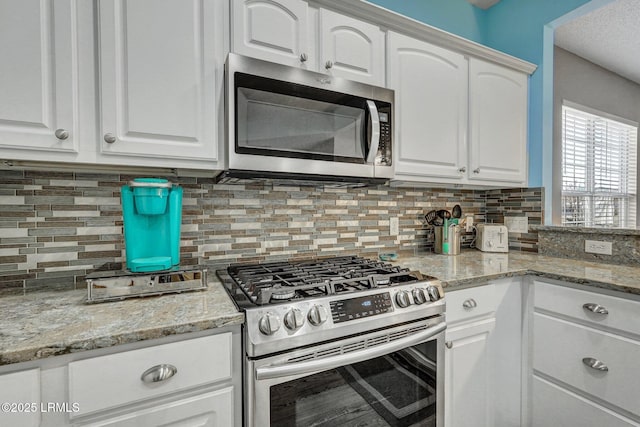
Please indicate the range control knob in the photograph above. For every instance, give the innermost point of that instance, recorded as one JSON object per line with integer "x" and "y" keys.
{"x": 418, "y": 296}
{"x": 317, "y": 315}
{"x": 434, "y": 294}
{"x": 269, "y": 324}
{"x": 294, "y": 319}
{"x": 402, "y": 299}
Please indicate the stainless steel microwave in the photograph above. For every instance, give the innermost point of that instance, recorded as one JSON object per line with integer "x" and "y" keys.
{"x": 284, "y": 121}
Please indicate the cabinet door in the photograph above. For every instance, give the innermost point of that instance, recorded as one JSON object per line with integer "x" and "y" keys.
{"x": 468, "y": 387}
{"x": 160, "y": 72}
{"x": 498, "y": 123}
{"x": 39, "y": 79}
{"x": 351, "y": 48}
{"x": 214, "y": 409}
{"x": 273, "y": 30}
{"x": 20, "y": 388}
{"x": 430, "y": 84}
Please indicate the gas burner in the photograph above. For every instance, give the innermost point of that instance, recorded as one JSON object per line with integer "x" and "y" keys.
{"x": 278, "y": 282}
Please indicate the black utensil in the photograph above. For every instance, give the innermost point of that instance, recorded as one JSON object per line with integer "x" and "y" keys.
{"x": 444, "y": 214}
{"x": 437, "y": 221}
{"x": 430, "y": 216}
{"x": 456, "y": 212}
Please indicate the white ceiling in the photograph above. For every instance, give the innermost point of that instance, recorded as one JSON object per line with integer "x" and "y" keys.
{"x": 609, "y": 37}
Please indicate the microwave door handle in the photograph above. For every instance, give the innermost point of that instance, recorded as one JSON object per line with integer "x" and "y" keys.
{"x": 374, "y": 141}
{"x": 332, "y": 362}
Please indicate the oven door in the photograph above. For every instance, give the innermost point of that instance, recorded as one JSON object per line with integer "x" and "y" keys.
{"x": 392, "y": 377}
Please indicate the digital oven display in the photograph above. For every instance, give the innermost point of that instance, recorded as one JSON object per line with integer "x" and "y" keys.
{"x": 358, "y": 308}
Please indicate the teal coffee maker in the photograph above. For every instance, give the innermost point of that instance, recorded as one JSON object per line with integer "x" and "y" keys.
{"x": 152, "y": 213}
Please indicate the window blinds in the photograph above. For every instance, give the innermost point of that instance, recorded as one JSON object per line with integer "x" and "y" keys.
{"x": 599, "y": 158}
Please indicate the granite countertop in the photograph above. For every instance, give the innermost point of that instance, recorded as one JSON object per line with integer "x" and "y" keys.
{"x": 473, "y": 267}
{"x": 44, "y": 324}
{"x": 589, "y": 230}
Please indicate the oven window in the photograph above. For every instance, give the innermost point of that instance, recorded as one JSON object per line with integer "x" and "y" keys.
{"x": 398, "y": 389}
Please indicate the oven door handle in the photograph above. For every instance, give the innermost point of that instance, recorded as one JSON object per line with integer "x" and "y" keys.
{"x": 374, "y": 142}
{"x": 320, "y": 365}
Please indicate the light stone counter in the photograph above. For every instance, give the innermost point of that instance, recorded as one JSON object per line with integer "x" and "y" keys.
{"x": 44, "y": 324}
{"x": 473, "y": 267}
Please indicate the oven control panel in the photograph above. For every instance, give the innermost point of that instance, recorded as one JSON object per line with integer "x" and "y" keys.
{"x": 360, "y": 307}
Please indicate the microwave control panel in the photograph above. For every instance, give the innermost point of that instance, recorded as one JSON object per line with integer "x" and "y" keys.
{"x": 384, "y": 148}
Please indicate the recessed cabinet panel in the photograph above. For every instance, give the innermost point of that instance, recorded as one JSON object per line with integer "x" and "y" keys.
{"x": 21, "y": 392}
{"x": 271, "y": 30}
{"x": 430, "y": 110}
{"x": 498, "y": 117}
{"x": 38, "y": 79}
{"x": 157, "y": 73}
{"x": 351, "y": 48}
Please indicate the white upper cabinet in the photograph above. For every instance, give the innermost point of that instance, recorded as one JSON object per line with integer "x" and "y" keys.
{"x": 498, "y": 123}
{"x": 430, "y": 86}
{"x": 351, "y": 48}
{"x": 38, "y": 83}
{"x": 160, "y": 76}
{"x": 273, "y": 30}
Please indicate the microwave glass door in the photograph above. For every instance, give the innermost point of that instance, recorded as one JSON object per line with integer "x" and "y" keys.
{"x": 398, "y": 389}
{"x": 275, "y": 118}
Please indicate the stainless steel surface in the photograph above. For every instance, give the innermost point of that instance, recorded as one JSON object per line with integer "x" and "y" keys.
{"x": 109, "y": 138}
{"x": 402, "y": 299}
{"x": 158, "y": 373}
{"x": 469, "y": 304}
{"x": 62, "y": 134}
{"x": 269, "y": 324}
{"x": 434, "y": 293}
{"x": 117, "y": 285}
{"x": 419, "y": 296}
{"x": 272, "y": 164}
{"x": 317, "y": 315}
{"x": 595, "y": 364}
{"x": 595, "y": 308}
{"x": 323, "y": 364}
{"x": 303, "y": 57}
{"x": 328, "y": 65}
{"x": 375, "y": 131}
{"x": 453, "y": 239}
{"x": 294, "y": 319}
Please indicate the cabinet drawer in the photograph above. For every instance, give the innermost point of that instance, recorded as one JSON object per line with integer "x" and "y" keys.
{"x": 469, "y": 303}
{"x": 560, "y": 347}
{"x": 21, "y": 390}
{"x": 555, "y": 406}
{"x": 622, "y": 313}
{"x": 109, "y": 381}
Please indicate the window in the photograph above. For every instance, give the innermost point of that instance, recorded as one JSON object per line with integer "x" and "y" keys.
{"x": 598, "y": 170}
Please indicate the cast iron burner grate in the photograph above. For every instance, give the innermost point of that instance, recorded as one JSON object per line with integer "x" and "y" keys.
{"x": 276, "y": 282}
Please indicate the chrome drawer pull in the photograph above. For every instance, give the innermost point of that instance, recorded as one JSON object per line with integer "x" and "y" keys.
{"x": 595, "y": 308}
{"x": 595, "y": 364}
{"x": 469, "y": 304}
{"x": 158, "y": 373}
{"x": 448, "y": 344}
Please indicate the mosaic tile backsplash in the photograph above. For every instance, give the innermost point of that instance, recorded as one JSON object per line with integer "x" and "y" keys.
{"x": 57, "y": 227}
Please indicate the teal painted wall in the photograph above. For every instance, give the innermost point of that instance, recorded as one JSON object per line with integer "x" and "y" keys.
{"x": 455, "y": 16}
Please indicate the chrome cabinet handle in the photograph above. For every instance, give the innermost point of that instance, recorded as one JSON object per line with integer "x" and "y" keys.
{"x": 462, "y": 169}
{"x": 109, "y": 138}
{"x": 595, "y": 308}
{"x": 476, "y": 170}
{"x": 469, "y": 304}
{"x": 303, "y": 57}
{"x": 375, "y": 131}
{"x": 328, "y": 64}
{"x": 62, "y": 134}
{"x": 595, "y": 364}
{"x": 158, "y": 373}
{"x": 448, "y": 344}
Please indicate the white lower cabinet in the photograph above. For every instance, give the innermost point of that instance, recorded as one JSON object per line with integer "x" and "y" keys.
{"x": 585, "y": 349}
{"x": 483, "y": 355}
{"x": 20, "y": 398}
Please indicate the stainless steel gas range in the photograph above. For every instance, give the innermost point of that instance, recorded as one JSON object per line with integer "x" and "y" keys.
{"x": 339, "y": 341}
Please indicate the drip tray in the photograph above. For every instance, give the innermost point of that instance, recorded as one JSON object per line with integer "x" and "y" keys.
{"x": 118, "y": 285}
